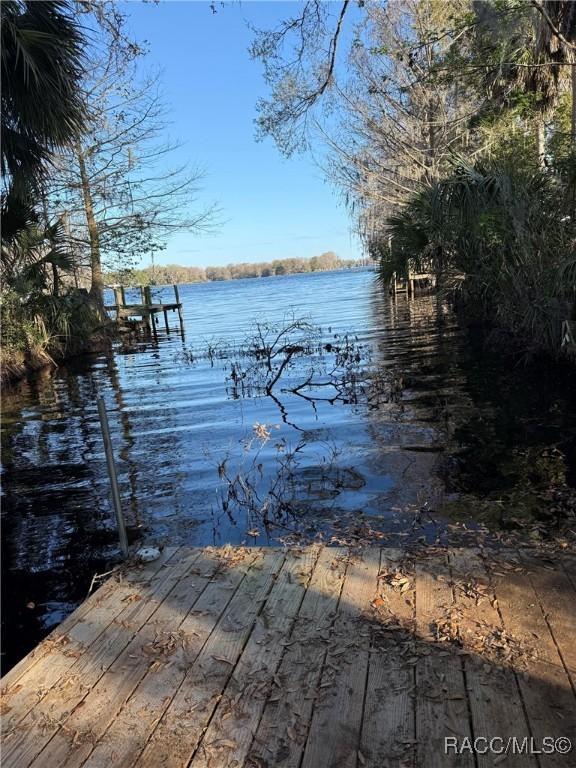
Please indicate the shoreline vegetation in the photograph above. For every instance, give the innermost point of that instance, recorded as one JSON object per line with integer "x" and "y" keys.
{"x": 176, "y": 274}
{"x": 450, "y": 129}
{"x": 16, "y": 364}
{"x": 42, "y": 332}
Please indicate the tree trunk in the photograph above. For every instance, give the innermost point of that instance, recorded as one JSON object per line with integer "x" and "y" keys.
{"x": 97, "y": 280}
{"x": 540, "y": 141}
{"x": 55, "y": 277}
{"x": 55, "y": 281}
{"x": 573, "y": 68}
{"x": 432, "y": 144}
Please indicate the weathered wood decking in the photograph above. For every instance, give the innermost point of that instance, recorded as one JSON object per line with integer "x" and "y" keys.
{"x": 313, "y": 657}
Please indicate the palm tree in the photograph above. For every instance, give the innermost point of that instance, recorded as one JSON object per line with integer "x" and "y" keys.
{"x": 526, "y": 51}
{"x": 42, "y": 105}
{"x": 556, "y": 44}
{"x": 30, "y": 258}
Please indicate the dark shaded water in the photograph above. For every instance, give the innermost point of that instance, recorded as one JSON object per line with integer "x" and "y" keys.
{"x": 453, "y": 433}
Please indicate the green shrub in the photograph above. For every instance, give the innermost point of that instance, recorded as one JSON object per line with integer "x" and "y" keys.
{"x": 505, "y": 237}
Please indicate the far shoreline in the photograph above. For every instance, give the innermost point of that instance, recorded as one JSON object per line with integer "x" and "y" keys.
{"x": 361, "y": 267}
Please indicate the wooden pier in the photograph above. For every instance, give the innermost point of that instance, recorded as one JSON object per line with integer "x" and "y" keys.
{"x": 408, "y": 284}
{"x": 313, "y": 657}
{"x": 146, "y": 310}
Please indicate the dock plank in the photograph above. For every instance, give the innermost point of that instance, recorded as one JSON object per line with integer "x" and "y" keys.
{"x": 132, "y": 727}
{"x": 441, "y": 701}
{"x": 35, "y": 730}
{"x": 556, "y": 598}
{"x": 104, "y": 598}
{"x": 388, "y": 730}
{"x": 493, "y": 692}
{"x": 227, "y": 740}
{"x": 178, "y": 733}
{"x": 61, "y": 653}
{"x": 283, "y": 728}
{"x": 336, "y": 741}
{"x": 544, "y": 686}
{"x": 155, "y": 651}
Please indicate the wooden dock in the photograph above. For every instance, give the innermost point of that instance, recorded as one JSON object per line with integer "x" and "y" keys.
{"x": 147, "y": 310}
{"x": 408, "y": 284}
{"x": 313, "y": 657}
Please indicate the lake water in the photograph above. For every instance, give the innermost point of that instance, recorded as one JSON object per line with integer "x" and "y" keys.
{"x": 402, "y": 431}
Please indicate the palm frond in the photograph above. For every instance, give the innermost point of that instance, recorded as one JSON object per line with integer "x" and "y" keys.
{"x": 41, "y": 100}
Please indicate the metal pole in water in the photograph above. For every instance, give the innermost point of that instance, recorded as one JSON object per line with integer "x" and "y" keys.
{"x": 112, "y": 475}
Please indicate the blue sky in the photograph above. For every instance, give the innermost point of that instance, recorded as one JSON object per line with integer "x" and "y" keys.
{"x": 272, "y": 207}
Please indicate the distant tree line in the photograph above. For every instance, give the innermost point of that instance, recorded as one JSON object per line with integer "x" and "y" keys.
{"x": 170, "y": 274}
